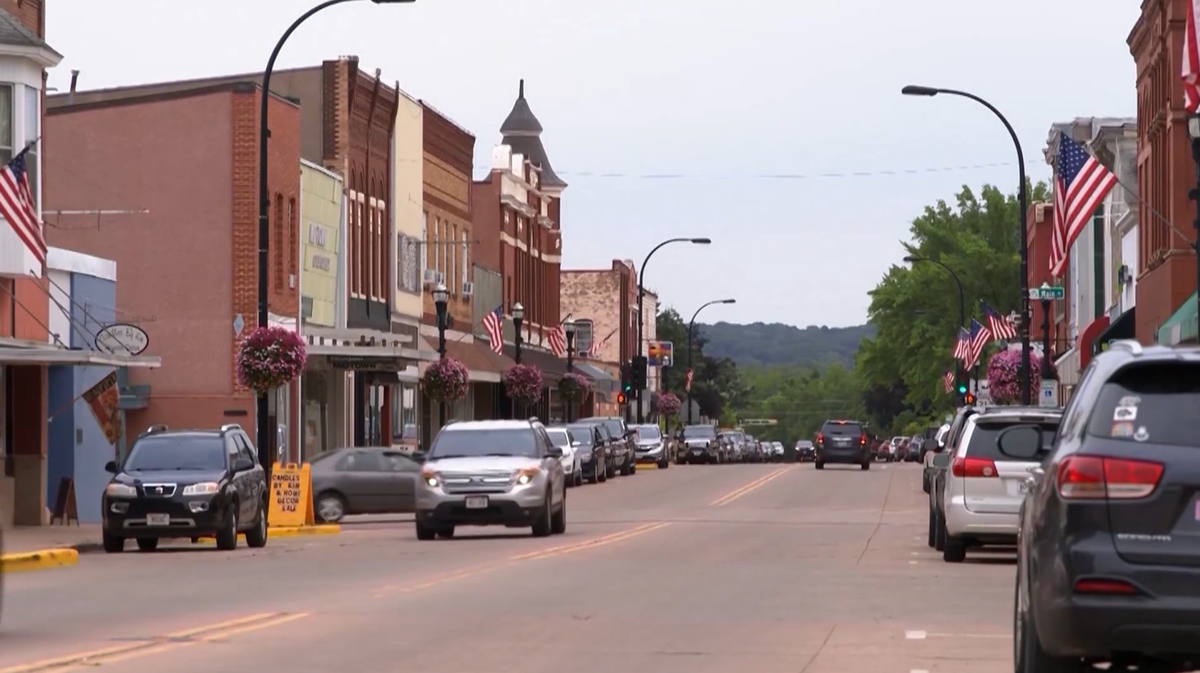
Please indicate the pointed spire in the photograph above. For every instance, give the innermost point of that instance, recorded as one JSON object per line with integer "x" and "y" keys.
{"x": 521, "y": 90}
{"x": 521, "y": 131}
{"x": 521, "y": 121}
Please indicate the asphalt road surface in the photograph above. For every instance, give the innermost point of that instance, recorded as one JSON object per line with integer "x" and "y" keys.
{"x": 697, "y": 569}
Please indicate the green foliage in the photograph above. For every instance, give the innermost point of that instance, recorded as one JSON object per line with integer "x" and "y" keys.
{"x": 717, "y": 385}
{"x": 915, "y": 308}
{"x": 777, "y": 344}
{"x": 801, "y": 398}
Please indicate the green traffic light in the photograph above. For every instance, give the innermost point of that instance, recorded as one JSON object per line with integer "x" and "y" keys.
{"x": 962, "y": 390}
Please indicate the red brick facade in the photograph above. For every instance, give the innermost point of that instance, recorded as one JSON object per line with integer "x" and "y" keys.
{"x": 1039, "y": 223}
{"x": 448, "y": 155}
{"x": 1166, "y": 265}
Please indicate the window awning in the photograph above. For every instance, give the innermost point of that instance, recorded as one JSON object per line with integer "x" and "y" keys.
{"x": 51, "y": 355}
{"x": 1181, "y": 326}
{"x": 552, "y": 367}
{"x": 483, "y": 364}
{"x": 602, "y": 381}
{"x": 1121, "y": 327}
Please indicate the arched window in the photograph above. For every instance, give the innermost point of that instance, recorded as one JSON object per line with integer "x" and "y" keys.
{"x": 584, "y": 334}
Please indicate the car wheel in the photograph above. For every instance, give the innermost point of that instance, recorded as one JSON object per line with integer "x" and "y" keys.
{"x": 932, "y": 529}
{"x": 446, "y": 533}
{"x": 866, "y": 465}
{"x": 113, "y": 544}
{"x": 558, "y": 522}
{"x": 578, "y": 478}
{"x": 925, "y": 483}
{"x": 1028, "y": 654}
{"x": 664, "y": 464}
{"x": 603, "y": 474}
{"x": 227, "y": 536}
{"x": 331, "y": 507}
{"x": 425, "y": 532}
{"x": 147, "y": 543}
{"x": 820, "y": 465}
{"x": 544, "y": 526}
{"x": 632, "y": 465}
{"x": 939, "y": 537}
{"x": 954, "y": 549}
{"x": 256, "y": 538}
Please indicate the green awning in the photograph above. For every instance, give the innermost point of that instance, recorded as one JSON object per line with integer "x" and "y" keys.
{"x": 1181, "y": 326}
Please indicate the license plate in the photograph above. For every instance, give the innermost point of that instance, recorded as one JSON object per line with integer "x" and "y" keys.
{"x": 696, "y": 452}
{"x": 158, "y": 519}
{"x": 477, "y": 502}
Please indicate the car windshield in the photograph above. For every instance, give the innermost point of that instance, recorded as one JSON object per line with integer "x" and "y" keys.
{"x": 843, "y": 429}
{"x": 475, "y": 442}
{"x": 699, "y": 432}
{"x": 648, "y": 433}
{"x": 803, "y": 444}
{"x": 985, "y": 436}
{"x": 1154, "y": 403}
{"x": 177, "y": 452}
{"x": 735, "y": 436}
{"x": 559, "y": 436}
{"x": 582, "y": 434}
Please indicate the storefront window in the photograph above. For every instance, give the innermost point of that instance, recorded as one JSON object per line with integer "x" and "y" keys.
{"x": 315, "y": 412}
{"x": 404, "y": 415}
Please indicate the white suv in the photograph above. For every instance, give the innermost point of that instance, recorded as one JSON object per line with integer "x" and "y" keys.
{"x": 984, "y": 490}
{"x": 492, "y": 473}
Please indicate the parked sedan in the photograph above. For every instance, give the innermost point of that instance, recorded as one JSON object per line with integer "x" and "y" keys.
{"x": 595, "y": 460}
{"x": 571, "y": 464}
{"x": 364, "y": 480}
{"x": 805, "y": 451}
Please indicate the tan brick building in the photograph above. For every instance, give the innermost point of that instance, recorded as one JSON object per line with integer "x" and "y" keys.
{"x": 603, "y": 304}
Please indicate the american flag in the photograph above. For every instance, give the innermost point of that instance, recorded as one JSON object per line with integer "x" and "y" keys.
{"x": 1190, "y": 72}
{"x": 16, "y": 205}
{"x": 948, "y": 381}
{"x": 1080, "y": 184}
{"x": 687, "y": 381}
{"x": 962, "y": 345}
{"x": 1000, "y": 326}
{"x": 597, "y": 344}
{"x": 980, "y": 336}
{"x": 493, "y": 324}
{"x": 557, "y": 340}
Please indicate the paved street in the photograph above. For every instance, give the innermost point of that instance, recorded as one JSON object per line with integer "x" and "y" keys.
{"x": 755, "y": 568}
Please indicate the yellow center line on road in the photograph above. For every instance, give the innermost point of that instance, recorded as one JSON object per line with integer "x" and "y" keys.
{"x": 207, "y": 633}
{"x": 757, "y": 483}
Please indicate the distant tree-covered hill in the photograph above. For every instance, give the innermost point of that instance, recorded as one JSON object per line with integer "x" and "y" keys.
{"x": 777, "y": 344}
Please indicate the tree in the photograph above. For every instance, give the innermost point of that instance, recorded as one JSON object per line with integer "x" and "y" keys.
{"x": 800, "y": 399}
{"x": 716, "y": 385}
{"x": 914, "y": 308}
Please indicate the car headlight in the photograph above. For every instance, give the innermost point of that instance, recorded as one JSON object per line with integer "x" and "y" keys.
{"x": 205, "y": 488}
{"x": 525, "y": 475}
{"x": 431, "y": 478}
{"x": 120, "y": 491}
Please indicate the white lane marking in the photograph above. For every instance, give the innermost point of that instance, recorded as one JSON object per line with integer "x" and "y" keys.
{"x": 913, "y": 553}
{"x": 998, "y": 636}
{"x": 918, "y": 670}
{"x": 912, "y": 563}
{"x": 915, "y": 635}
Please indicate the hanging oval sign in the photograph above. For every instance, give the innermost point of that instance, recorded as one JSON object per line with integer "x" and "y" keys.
{"x": 122, "y": 339}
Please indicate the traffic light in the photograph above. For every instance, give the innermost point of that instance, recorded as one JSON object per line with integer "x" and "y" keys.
{"x": 638, "y": 372}
{"x": 969, "y": 399}
{"x": 620, "y": 398}
{"x": 626, "y": 379}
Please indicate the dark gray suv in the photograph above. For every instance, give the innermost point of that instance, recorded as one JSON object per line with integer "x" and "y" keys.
{"x": 843, "y": 442}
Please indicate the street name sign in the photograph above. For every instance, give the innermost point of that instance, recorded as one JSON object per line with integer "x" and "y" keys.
{"x": 1046, "y": 293}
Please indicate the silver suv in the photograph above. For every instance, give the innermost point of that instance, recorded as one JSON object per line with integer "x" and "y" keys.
{"x": 492, "y": 473}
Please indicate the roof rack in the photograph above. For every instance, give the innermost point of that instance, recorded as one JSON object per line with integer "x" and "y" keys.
{"x": 230, "y": 426}
{"x": 1131, "y": 345}
{"x": 155, "y": 429}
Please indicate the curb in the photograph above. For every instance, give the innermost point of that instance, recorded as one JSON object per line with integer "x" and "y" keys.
{"x": 43, "y": 559}
{"x": 287, "y": 531}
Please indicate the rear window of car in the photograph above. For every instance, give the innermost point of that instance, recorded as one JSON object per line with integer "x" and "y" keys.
{"x": 559, "y": 437}
{"x": 841, "y": 429}
{"x": 1157, "y": 403}
{"x": 983, "y": 442}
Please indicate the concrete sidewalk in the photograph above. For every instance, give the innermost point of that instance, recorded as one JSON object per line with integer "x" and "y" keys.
{"x": 83, "y": 538}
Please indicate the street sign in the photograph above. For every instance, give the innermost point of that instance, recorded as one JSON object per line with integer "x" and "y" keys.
{"x": 1048, "y": 397}
{"x": 1047, "y": 293}
{"x": 759, "y": 421}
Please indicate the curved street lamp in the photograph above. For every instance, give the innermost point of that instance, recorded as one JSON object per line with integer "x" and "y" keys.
{"x": 263, "y": 411}
{"x": 691, "y": 331}
{"x": 1022, "y": 203}
{"x": 639, "y": 365}
{"x": 962, "y": 305}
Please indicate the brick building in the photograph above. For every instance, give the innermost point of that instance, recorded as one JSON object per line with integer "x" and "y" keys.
{"x": 603, "y": 303}
{"x": 1166, "y": 268}
{"x": 188, "y": 159}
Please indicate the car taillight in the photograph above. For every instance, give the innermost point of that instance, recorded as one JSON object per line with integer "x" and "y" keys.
{"x": 862, "y": 440}
{"x": 966, "y": 466}
{"x": 1103, "y": 586}
{"x": 1098, "y": 478}
{"x": 820, "y": 438}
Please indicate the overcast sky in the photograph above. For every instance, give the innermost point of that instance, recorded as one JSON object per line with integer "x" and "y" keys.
{"x": 718, "y": 95}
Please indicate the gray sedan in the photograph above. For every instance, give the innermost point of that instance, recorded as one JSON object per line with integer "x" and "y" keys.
{"x": 364, "y": 480}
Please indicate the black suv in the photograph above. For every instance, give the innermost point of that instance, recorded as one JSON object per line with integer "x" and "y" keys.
{"x": 842, "y": 442}
{"x": 186, "y": 484}
{"x": 624, "y": 446}
{"x": 1108, "y": 554}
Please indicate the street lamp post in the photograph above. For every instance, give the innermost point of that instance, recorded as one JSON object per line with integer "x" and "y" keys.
{"x": 440, "y": 298}
{"x": 962, "y": 307}
{"x": 691, "y": 330}
{"x": 262, "y": 414}
{"x": 638, "y": 370}
{"x": 1194, "y": 195}
{"x": 1022, "y": 203}
{"x": 569, "y": 331}
{"x": 518, "y": 314}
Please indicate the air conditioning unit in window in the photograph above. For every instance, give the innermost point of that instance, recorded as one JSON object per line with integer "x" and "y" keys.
{"x": 441, "y": 278}
{"x": 430, "y": 277}
{"x": 468, "y": 289}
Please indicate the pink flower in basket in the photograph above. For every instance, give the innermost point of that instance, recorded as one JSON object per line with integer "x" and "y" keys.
{"x": 573, "y": 387}
{"x": 270, "y": 357}
{"x": 1004, "y": 376}
{"x": 446, "y": 380}
{"x": 668, "y": 404}
{"x": 523, "y": 383}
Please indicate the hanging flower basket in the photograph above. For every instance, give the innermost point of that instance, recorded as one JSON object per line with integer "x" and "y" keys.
{"x": 668, "y": 404}
{"x": 270, "y": 357}
{"x": 1004, "y": 374}
{"x": 523, "y": 383}
{"x": 446, "y": 380}
{"x": 573, "y": 387}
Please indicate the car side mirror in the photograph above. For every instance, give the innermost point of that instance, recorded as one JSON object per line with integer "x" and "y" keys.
{"x": 243, "y": 464}
{"x": 1022, "y": 442}
{"x": 932, "y": 445}
{"x": 111, "y": 467}
{"x": 941, "y": 460}
{"x": 576, "y": 444}
{"x": 418, "y": 456}
{"x": 554, "y": 452}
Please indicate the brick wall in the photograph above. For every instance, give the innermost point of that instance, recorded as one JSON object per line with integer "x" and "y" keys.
{"x": 449, "y": 232}
{"x": 604, "y": 297}
{"x": 485, "y": 218}
{"x": 31, "y": 13}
